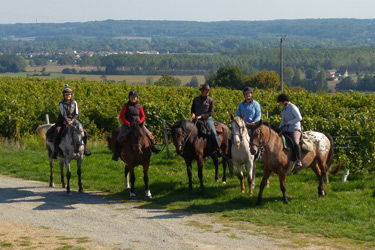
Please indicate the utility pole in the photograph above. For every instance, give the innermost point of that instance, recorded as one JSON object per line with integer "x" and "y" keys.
{"x": 281, "y": 62}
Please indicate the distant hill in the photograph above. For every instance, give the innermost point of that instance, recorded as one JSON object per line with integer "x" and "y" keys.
{"x": 312, "y": 32}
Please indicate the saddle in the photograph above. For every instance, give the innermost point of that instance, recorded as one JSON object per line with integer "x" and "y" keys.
{"x": 205, "y": 131}
{"x": 306, "y": 142}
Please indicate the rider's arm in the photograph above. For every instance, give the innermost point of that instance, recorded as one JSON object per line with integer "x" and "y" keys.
{"x": 296, "y": 114}
{"x": 122, "y": 116}
{"x": 75, "y": 113}
{"x": 141, "y": 115}
{"x": 258, "y": 112}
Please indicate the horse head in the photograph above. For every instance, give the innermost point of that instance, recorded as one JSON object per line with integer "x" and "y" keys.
{"x": 182, "y": 131}
{"x": 256, "y": 137}
{"x": 137, "y": 133}
{"x": 76, "y": 134}
{"x": 239, "y": 131}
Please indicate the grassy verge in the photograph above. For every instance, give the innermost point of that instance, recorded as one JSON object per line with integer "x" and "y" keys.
{"x": 347, "y": 212}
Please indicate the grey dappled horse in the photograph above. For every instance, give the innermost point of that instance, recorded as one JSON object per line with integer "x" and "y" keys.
{"x": 72, "y": 147}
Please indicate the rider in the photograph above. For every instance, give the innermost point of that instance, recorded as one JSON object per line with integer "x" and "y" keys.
{"x": 202, "y": 109}
{"x": 68, "y": 113}
{"x": 249, "y": 109}
{"x": 291, "y": 124}
{"x": 132, "y": 111}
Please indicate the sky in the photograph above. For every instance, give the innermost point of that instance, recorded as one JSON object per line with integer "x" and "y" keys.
{"x": 61, "y": 11}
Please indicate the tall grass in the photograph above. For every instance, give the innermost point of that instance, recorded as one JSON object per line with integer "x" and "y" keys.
{"x": 346, "y": 212}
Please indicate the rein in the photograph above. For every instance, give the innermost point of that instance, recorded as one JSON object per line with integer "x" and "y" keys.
{"x": 261, "y": 147}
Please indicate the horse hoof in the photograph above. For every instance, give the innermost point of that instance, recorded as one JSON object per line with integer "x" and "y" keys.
{"x": 133, "y": 196}
{"x": 149, "y": 197}
{"x": 51, "y": 185}
{"x": 224, "y": 182}
{"x": 80, "y": 190}
{"x": 63, "y": 186}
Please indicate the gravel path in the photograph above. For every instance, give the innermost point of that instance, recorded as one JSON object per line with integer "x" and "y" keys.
{"x": 113, "y": 225}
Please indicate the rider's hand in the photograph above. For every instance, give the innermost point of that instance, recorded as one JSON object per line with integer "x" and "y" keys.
{"x": 192, "y": 116}
{"x": 199, "y": 117}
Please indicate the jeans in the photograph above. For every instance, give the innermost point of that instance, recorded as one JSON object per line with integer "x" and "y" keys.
{"x": 211, "y": 124}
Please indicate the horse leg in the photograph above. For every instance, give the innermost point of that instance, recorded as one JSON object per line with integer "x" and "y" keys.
{"x": 68, "y": 174}
{"x": 62, "y": 165}
{"x": 79, "y": 172}
{"x": 320, "y": 175}
{"x": 224, "y": 179}
{"x": 240, "y": 177}
{"x": 250, "y": 176}
{"x": 145, "y": 179}
{"x": 132, "y": 182}
{"x": 282, "y": 179}
{"x": 266, "y": 175}
{"x": 127, "y": 185}
{"x": 200, "y": 171}
{"x": 51, "y": 183}
{"x": 189, "y": 172}
{"x": 216, "y": 164}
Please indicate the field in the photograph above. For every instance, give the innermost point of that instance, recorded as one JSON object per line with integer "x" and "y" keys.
{"x": 345, "y": 215}
{"x": 55, "y": 72}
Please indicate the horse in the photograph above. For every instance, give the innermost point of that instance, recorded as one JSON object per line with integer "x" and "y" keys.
{"x": 193, "y": 147}
{"x": 275, "y": 158}
{"x": 135, "y": 150}
{"x": 241, "y": 155}
{"x": 72, "y": 148}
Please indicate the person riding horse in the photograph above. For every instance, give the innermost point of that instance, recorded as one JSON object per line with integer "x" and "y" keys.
{"x": 132, "y": 111}
{"x": 202, "y": 109}
{"x": 68, "y": 113}
{"x": 249, "y": 109}
{"x": 291, "y": 125}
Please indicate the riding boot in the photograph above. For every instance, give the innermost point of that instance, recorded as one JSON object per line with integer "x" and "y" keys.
{"x": 117, "y": 152}
{"x": 86, "y": 150}
{"x": 298, "y": 156}
{"x": 154, "y": 149}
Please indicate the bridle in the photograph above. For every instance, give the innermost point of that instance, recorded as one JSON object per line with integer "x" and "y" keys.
{"x": 260, "y": 147}
{"x": 185, "y": 137}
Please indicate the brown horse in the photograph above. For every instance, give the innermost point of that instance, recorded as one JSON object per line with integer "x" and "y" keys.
{"x": 135, "y": 150}
{"x": 191, "y": 147}
{"x": 276, "y": 159}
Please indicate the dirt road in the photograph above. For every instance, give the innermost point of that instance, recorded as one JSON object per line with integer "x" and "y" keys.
{"x": 34, "y": 215}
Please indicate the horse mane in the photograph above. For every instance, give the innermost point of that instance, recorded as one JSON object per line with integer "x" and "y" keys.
{"x": 273, "y": 127}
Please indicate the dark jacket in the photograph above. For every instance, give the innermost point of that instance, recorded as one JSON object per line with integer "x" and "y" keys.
{"x": 204, "y": 106}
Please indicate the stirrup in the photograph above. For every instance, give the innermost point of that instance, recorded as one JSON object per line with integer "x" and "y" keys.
{"x": 87, "y": 152}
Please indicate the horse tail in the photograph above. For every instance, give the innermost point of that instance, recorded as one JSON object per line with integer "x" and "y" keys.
{"x": 330, "y": 157}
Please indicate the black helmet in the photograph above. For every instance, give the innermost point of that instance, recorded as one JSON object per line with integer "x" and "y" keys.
{"x": 67, "y": 91}
{"x": 133, "y": 93}
{"x": 247, "y": 89}
{"x": 283, "y": 97}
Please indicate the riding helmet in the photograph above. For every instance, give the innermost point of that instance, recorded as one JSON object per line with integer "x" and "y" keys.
{"x": 283, "y": 97}
{"x": 67, "y": 91}
{"x": 133, "y": 93}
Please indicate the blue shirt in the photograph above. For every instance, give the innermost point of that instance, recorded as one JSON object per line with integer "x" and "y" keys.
{"x": 290, "y": 114}
{"x": 251, "y": 111}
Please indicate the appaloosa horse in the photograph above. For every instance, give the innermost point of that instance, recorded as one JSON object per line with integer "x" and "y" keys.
{"x": 72, "y": 148}
{"x": 191, "y": 147}
{"x": 241, "y": 155}
{"x": 276, "y": 159}
{"x": 135, "y": 150}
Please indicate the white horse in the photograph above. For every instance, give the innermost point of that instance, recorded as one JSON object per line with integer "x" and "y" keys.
{"x": 72, "y": 147}
{"x": 241, "y": 155}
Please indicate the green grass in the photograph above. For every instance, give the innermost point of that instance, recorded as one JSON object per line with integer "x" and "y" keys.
{"x": 347, "y": 212}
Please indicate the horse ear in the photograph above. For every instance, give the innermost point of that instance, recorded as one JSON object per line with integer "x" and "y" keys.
{"x": 231, "y": 117}
{"x": 169, "y": 125}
